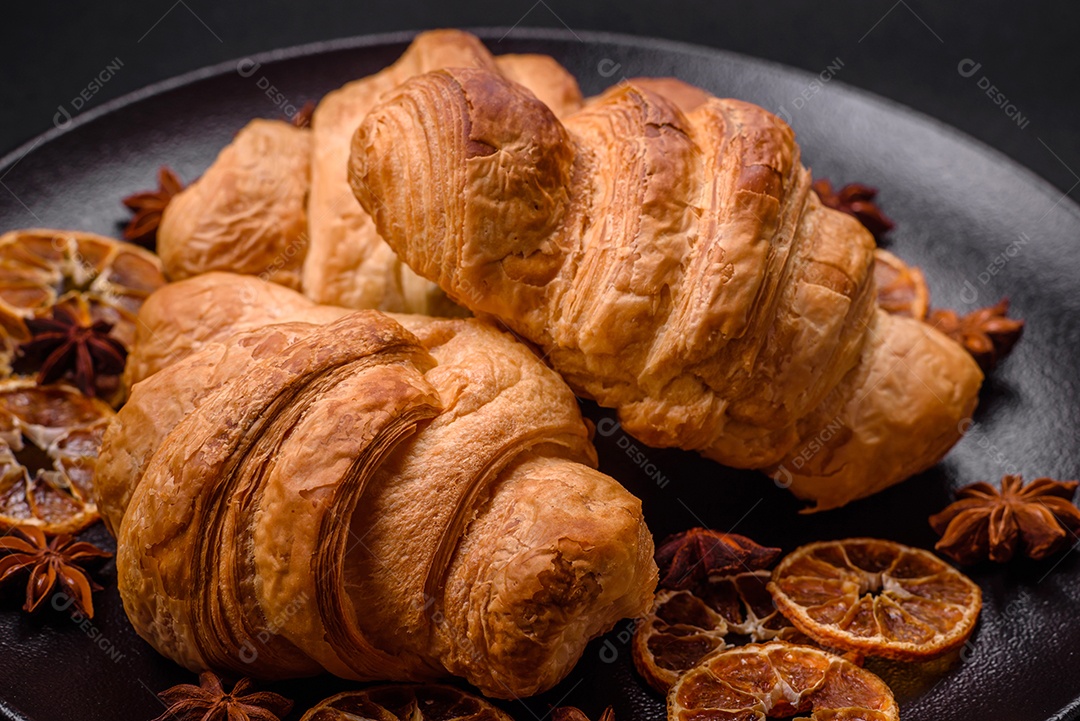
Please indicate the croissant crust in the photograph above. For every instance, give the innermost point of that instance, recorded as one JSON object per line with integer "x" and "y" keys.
{"x": 672, "y": 263}
{"x": 298, "y": 488}
{"x": 276, "y": 202}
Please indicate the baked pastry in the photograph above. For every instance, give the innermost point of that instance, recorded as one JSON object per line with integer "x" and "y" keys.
{"x": 348, "y": 263}
{"x": 673, "y": 265}
{"x": 247, "y": 213}
{"x": 276, "y": 203}
{"x": 185, "y": 317}
{"x": 356, "y": 497}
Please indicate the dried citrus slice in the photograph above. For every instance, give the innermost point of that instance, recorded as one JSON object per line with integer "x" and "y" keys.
{"x": 777, "y": 680}
{"x": 49, "y": 441}
{"x": 877, "y": 597}
{"x": 684, "y": 627}
{"x": 42, "y": 268}
{"x": 901, "y": 288}
{"x": 405, "y": 702}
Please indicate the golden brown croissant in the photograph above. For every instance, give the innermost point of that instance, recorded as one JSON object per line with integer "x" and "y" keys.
{"x": 348, "y": 263}
{"x": 251, "y": 212}
{"x": 350, "y": 495}
{"x": 675, "y": 266}
{"x": 247, "y": 213}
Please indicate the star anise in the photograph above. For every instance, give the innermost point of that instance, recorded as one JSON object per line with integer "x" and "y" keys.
{"x": 856, "y": 200}
{"x": 302, "y": 119}
{"x": 148, "y": 207}
{"x": 50, "y": 564}
{"x": 983, "y": 522}
{"x": 570, "y": 713}
{"x": 986, "y": 333}
{"x": 209, "y": 702}
{"x": 71, "y": 342}
{"x": 688, "y": 559}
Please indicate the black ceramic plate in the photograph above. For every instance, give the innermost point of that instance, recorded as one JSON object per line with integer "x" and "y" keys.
{"x": 980, "y": 226}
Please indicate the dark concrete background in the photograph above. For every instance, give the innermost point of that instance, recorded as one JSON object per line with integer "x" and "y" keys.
{"x": 907, "y": 50}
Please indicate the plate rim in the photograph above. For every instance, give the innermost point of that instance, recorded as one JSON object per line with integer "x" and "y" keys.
{"x": 486, "y": 33}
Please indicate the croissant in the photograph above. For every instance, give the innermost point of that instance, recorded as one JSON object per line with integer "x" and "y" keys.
{"x": 673, "y": 265}
{"x": 247, "y": 213}
{"x": 373, "y": 498}
{"x": 276, "y": 202}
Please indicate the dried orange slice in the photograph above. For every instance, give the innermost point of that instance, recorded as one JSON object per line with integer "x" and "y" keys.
{"x": 777, "y": 680}
{"x": 877, "y": 597}
{"x": 901, "y": 288}
{"x": 683, "y": 627}
{"x": 42, "y": 268}
{"x": 49, "y": 441}
{"x": 405, "y": 702}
